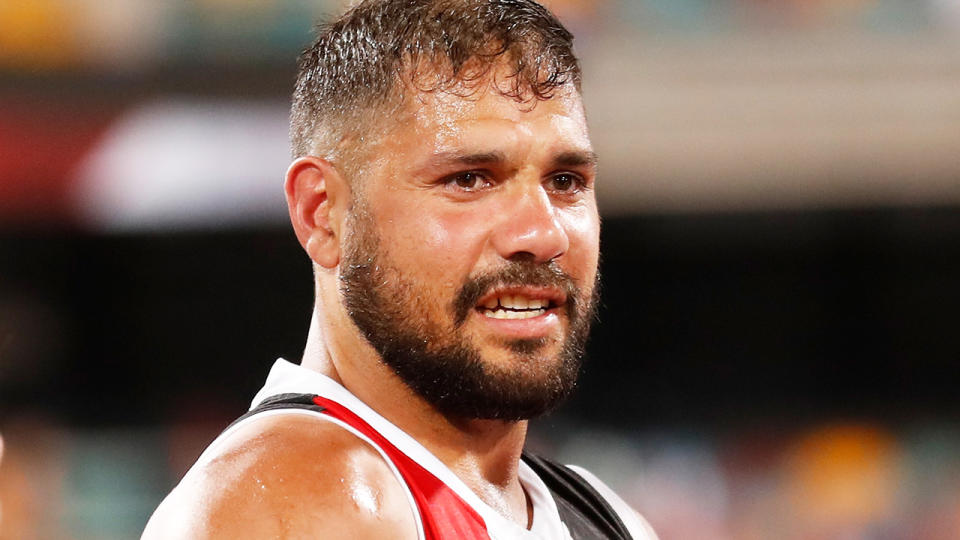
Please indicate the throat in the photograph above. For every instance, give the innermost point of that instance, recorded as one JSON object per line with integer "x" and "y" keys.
{"x": 490, "y": 466}
{"x": 512, "y": 502}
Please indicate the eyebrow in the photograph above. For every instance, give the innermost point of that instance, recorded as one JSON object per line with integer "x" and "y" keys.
{"x": 574, "y": 158}
{"x": 479, "y": 158}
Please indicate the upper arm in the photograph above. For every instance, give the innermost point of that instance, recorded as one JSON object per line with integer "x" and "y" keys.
{"x": 288, "y": 476}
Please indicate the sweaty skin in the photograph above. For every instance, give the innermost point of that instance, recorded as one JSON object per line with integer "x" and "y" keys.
{"x": 457, "y": 187}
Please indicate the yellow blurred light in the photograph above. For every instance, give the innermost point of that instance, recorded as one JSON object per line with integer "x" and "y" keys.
{"x": 843, "y": 474}
{"x": 36, "y": 34}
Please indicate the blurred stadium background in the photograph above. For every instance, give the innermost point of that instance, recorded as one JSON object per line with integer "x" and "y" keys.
{"x": 780, "y": 185}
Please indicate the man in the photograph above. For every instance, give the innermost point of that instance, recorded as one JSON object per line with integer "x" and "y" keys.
{"x": 443, "y": 189}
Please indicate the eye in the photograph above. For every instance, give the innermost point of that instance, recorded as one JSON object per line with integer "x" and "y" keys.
{"x": 468, "y": 181}
{"x": 565, "y": 183}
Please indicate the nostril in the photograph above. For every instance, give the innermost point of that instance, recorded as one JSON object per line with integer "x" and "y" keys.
{"x": 523, "y": 256}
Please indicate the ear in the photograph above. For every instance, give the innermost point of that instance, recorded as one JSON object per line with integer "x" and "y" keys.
{"x": 316, "y": 198}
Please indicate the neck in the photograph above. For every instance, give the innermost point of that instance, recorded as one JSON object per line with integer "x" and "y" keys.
{"x": 484, "y": 454}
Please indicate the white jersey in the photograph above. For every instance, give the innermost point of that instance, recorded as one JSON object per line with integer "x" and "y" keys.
{"x": 287, "y": 378}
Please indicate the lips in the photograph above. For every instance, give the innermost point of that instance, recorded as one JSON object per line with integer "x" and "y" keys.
{"x": 518, "y": 292}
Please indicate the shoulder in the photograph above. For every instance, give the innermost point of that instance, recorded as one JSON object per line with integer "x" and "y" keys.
{"x": 634, "y": 522}
{"x": 288, "y": 475}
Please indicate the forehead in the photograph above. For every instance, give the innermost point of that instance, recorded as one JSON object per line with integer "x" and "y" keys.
{"x": 441, "y": 119}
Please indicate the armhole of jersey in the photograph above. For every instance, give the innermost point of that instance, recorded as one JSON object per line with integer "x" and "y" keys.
{"x": 316, "y": 414}
{"x": 632, "y": 520}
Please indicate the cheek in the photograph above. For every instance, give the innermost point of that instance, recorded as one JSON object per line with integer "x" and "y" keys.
{"x": 444, "y": 246}
{"x": 583, "y": 232}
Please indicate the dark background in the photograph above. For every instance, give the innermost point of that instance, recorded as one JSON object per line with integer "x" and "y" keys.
{"x": 713, "y": 320}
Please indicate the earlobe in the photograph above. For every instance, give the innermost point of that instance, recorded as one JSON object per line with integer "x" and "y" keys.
{"x": 315, "y": 191}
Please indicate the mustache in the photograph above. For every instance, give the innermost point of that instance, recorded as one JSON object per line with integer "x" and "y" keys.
{"x": 516, "y": 273}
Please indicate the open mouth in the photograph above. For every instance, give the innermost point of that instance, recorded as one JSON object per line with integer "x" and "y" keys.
{"x": 516, "y": 306}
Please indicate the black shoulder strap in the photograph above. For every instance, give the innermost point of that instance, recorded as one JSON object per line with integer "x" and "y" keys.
{"x": 281, "y": 401}
{"x": 585, "y": 512}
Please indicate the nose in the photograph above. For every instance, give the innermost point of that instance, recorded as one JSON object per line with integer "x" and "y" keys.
{"x": 530, "y": 229}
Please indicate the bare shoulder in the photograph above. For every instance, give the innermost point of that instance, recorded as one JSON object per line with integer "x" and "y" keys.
{"x": 287, "y": 476}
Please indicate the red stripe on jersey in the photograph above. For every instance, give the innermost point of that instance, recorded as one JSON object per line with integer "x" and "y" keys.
{"x": 443, "y": 513}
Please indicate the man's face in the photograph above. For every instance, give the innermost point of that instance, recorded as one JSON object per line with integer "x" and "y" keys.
{"x": 470, "y": 260}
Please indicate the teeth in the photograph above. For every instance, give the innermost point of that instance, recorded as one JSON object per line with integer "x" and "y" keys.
{"x": 506, "y": 314}
{"x": 515, "y": 303}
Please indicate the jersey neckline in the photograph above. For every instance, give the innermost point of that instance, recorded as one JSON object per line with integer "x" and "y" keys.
{"x": 286, "y": 377}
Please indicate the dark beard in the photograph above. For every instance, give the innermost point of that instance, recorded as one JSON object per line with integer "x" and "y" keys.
{"x": 445, "y": 368}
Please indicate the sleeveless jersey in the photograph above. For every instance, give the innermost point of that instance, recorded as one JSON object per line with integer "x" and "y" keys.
{"x": 568, "y": 502}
